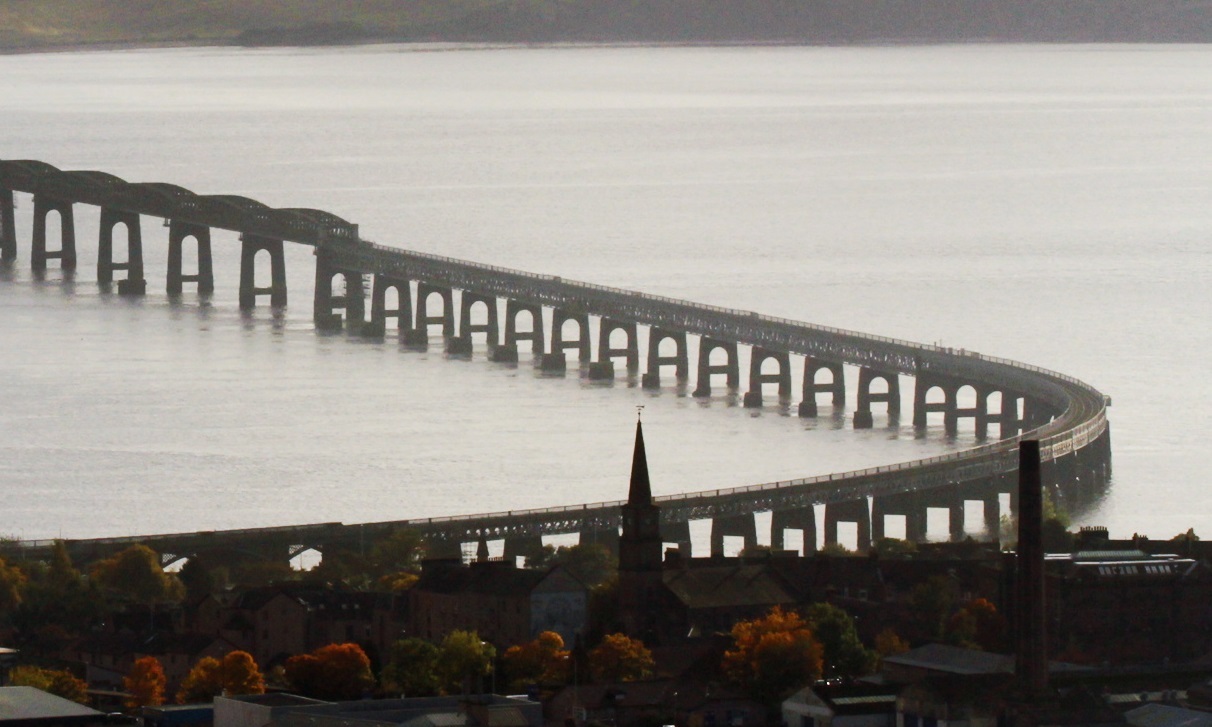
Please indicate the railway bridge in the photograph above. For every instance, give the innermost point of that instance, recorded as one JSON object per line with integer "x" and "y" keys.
{"x": 422, "y": 298}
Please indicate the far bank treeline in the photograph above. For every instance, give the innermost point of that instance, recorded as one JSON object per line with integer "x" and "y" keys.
{"x": 45, "y": 24}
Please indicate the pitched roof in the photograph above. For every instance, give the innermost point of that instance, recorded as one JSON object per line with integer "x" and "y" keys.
{"x": 28, "y": 703}
{"x": 727, "y": 586}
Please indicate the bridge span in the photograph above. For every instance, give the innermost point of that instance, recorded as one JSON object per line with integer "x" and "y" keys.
{"x": 412, "y": 293}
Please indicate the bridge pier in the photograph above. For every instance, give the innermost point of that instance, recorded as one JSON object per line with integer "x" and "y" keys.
{"x": 276, "y": 290}
{"x": 802, "y": 519}
{"x": 526, "y": 546}
{"x": 66, "y": 254}
{"x": 909, "y": 505}
{"x": 508, "y": 352}
{"x": 757, "y": 357}
{"x": 581, "y": 344}
{"x": 8, "y": 226}
{"x": 863, "y": 418}
{"x": 331, "y": 312}
{"x": 419, "y": 336}
{"x": 922, "y": 384}
{"x": 679, "y": 360}
{"x": 855, "y": 511}
{"x": 379, "y": 312}
{"x": 678, "y": 533}
{"x": 178, "y": 232}
{"x": 730, "y": 368}
{"x": 1010, "y": 424}
{"x": 490, "y": 327}
{"x": 443, "y": 548}
{"x": 738, "y": 526}
{"x": 603, "y": 368}
{"x": 608, "y": 538}
{"x": 134, "y": 283}
{"x": 837, "y": 386}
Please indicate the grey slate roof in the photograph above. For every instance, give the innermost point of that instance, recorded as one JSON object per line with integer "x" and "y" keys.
{"x": 28, "y": 703}
{"x": 1162, "y": 715}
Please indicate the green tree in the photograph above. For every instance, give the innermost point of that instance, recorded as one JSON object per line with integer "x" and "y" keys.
{"x": 400, "y": 552}
{"x": 843, "y": 652}
{"x": 12, "y": 585}
{"x": 412, "y": 669}
{"x": 835, "y": 549}
{"x": 932, "y": 602}
{"x": 620, "y": 658}
{"x": 772, "y": 655}
{"x": 197, "y": 580}
{"x": 136, "y": 572}
{"x": 62, "y": 572}
{"x": 462, "y": 659}
{"x": 59, "y": 682}
{"x": 894, "y": 548}
{"x": 591, "y": 563}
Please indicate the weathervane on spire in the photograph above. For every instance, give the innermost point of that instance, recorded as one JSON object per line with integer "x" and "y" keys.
{"x": 639, "y": 411}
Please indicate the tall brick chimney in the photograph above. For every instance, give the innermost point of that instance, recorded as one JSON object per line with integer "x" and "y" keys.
{"x": 1032, "y": 642}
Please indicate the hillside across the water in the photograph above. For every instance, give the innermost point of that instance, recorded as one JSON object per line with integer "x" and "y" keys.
{"x": 50, "y": 24}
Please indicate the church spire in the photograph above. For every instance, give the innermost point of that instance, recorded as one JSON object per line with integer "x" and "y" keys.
{"x": 641, "y": 490}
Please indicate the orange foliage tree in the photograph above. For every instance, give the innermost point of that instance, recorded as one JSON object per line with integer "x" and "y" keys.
{"x": 336, "y": 671}
{"x": 773, "y": 655}
{"x": 978, "y": 624}
{"x": 236, "y": 674}
{"x": 544, "y": 660}
{"x": 145, "y": 683}
{"x": 620, "y": 658}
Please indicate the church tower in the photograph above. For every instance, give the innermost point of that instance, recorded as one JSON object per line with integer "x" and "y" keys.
{"x": 640, "y": 550}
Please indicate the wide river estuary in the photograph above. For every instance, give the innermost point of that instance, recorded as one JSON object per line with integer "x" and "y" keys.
{"x": 1051, "y": 204}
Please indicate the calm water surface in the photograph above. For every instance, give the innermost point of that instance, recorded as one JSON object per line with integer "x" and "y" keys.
{"x": 1044, "y": 203}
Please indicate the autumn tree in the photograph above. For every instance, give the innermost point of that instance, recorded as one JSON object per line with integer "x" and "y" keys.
{"x": 412, "y": 669}
{"x": 145, "y": 683}
{"x": 237, "y": 673}
{"x": 56, "y": 605}
{"x": 336, "y": 672}
{"x": 543, "y": 660}
{"x": 888, "y": 643}
{"x": 843, "y": 652}
{"x": 978, "y": 624}
{"x": 60, "y": 682}
{"x": 462, "y": 658}
{"x": 136, "y": 572}
{"x": 773, "y": 654}
{"x": 620, "y": 658}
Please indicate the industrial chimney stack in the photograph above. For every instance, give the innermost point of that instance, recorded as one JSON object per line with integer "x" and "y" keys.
{"x": 1031, "y": 636}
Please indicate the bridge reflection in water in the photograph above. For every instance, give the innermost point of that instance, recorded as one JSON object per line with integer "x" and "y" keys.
{"x": 417, "y": 292}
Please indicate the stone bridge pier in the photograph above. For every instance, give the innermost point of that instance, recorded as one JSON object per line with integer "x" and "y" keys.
{"x": 742, "y": 526}
{"x": 8, "y": 226}
{"x": 855, "y": 511}
{"x": 379, "y": 312}
{"x": 464, "y": 342}
{"x": 679, "y": 359}
{"x": 204, "y": 277}
{"x": 508, "y": 351}
{"x": 603, "y": 368}
{"x": 677, "y": 532}
{"x": 730, "y": 368}
{"x": 418, "y": 335}
{"x": 863, "y": 418}
{"x": 249, "y": 290}
{"x": 529, "y": 547}
{"x": 835, "y": 386}
{"x": 909, "y": 505}
{"x": 802, "y": 519}
{"x": 757, "y": 357}
{"x": 134, "y": 282}
{"x": 66, "y": 254}
{"x": 331, "y": 312}
{"x": 555, "y": 361}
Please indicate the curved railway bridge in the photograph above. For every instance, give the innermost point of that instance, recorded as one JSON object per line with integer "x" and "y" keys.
{"x": 413, "y": 293}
